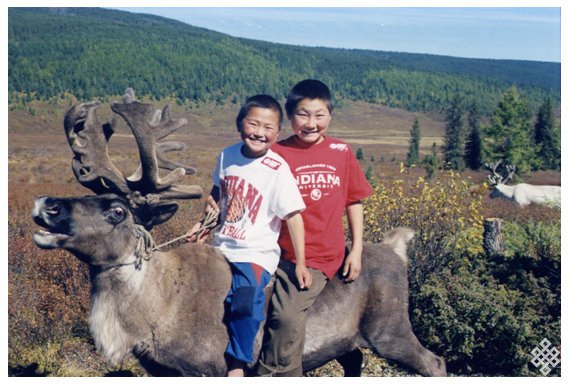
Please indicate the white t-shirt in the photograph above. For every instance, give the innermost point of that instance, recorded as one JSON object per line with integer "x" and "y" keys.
{"x": 255, "y": 196}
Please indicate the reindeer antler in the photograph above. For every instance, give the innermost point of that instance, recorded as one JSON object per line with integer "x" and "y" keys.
{"x": 511, "y": 169}
{"x": 94, "y": 169}
{"x": 88, "y": 141}
{"x": 495, "y": 178}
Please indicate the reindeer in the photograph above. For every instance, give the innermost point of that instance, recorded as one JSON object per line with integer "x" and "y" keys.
{"x": 522, "y": 194}
{"x": 167, "y": 308}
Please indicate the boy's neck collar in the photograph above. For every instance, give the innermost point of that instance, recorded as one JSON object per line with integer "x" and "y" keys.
{"x": 306, "y": 145}
{"x": 243, "y": 148}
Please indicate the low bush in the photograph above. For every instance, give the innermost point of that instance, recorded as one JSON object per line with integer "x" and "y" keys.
{"x": 487, "y": 315}
{"x": 444, "y": 213}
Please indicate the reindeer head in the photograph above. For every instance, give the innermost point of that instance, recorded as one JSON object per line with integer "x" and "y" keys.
{"x": 497, "y": 181}
{"x": 98, "y": 229}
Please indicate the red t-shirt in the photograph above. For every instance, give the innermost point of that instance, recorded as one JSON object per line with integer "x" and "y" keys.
{"x": 329, "y": 179}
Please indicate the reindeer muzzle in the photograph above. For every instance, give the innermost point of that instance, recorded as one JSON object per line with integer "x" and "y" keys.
{"x": 50, "y": 213}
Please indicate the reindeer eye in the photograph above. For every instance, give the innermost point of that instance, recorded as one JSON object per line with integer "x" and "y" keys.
{"x": 116, "y": 214}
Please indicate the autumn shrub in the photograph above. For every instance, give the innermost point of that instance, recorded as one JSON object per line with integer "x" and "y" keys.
{"x": 444, "y": 213}
{"x": 487, "y": 314}
{"x": 531, "y": 264}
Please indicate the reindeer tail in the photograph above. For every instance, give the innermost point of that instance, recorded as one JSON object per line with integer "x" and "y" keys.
{"x": 398, "y": 239}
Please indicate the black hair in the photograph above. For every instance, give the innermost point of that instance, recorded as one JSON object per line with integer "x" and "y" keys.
{"x": 258, "y": 101}
{"x": 308, "y": 89}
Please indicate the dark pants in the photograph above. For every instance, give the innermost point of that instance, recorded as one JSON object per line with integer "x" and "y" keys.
{"x": 286, "y": 324}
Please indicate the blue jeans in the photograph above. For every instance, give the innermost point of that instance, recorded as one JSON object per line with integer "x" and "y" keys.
{"x": 246, "y": 304}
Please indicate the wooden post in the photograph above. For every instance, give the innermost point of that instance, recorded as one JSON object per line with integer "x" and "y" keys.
{"x": 493, "y": 237}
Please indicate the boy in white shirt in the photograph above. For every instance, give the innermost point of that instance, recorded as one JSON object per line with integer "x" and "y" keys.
{"x": 256, "y": 191}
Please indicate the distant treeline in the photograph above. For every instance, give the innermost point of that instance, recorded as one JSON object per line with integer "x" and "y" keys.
{"x": 94, "y": 53}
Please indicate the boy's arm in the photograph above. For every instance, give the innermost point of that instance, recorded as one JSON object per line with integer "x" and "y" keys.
{"x": 353, "y": 263}
{"x": 296, "y": 228}
{"x": 210, "y": 204}
{"x": 212, "y": 199}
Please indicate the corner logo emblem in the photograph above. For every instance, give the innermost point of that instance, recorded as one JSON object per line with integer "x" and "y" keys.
{"x": 271, "y": 163}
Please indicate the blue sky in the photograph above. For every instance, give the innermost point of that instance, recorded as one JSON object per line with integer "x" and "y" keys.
{"x": 528, "y": 33}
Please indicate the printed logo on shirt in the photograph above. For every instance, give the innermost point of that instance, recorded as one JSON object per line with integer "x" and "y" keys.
{"x": 339, "y": 146}
{"x": 316, "y": 180}
{"x": 242, "y": 201}
{"x": 235, "y": 209}
{"x": 271, "y": 163}
{"x": 316, "y": 194}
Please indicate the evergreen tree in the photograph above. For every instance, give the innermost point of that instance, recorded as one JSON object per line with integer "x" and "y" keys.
{"x": 413, "y": 153}
{"x": 360, "y": 154}
{"x": 509, "y": 135}
{"x": 473, "y": 144}
{"x": 369, "y": 173}
{"x": 453, "y": 149}
{"x": 432, "y": 161}
{"x": 546, "y": 138}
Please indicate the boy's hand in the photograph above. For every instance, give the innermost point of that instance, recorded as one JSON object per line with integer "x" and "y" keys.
{"x": 303, "y": 275}
{"x": 199, "y": 235}
{"x": 211, "y": 205}
{"x": 352, "y": 266}
{"x": 194, "y": 234}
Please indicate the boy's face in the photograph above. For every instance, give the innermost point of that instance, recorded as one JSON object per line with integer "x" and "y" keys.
{"x": 310, "y": 121}
{"x": 260, "y": 129}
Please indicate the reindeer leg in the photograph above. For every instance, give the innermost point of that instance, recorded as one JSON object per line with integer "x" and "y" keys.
{"x": 399, "y": 343}
{"x": 353, "y": 363}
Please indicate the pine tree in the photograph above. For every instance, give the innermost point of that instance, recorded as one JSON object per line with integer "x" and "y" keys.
{"x": 453, "y": 149}
{"x": 546, "y": 138}
{"x": 369, "y": 173}
{"x": 413, "y": 153}
{"x": 509, "y": 136}
{"x": 359, "y": 154}
{"x": 432, "y": 161}
{"x": 473, "y": 144}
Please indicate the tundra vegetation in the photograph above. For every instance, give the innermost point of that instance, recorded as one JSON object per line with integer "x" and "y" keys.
{"x": 483, "y": 313}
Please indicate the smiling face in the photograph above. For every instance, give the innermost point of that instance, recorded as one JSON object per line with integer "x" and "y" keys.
{"x": 259, "y": 130}
{"x": 310, "y": 121}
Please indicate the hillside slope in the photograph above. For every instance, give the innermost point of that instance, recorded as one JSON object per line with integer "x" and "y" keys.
{"x": 94, "y": 52}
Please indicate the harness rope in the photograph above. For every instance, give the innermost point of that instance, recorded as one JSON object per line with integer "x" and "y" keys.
{"x": 209, "y": 222}
{"x": 146, "y": 244}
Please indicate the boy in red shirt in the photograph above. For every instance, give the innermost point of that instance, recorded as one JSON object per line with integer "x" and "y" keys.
{"x": 331, "y": 182}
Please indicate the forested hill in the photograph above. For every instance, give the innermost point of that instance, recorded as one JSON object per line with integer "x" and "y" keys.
{"x": 94, "y": 52}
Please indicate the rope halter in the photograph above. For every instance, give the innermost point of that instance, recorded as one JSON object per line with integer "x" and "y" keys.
{"x": 145, "y": 245}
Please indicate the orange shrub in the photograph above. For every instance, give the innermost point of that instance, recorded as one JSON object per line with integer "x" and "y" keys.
{"x": 445, "y": 215}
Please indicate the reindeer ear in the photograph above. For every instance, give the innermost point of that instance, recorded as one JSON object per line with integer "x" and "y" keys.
{"x": 155, "y": 214}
